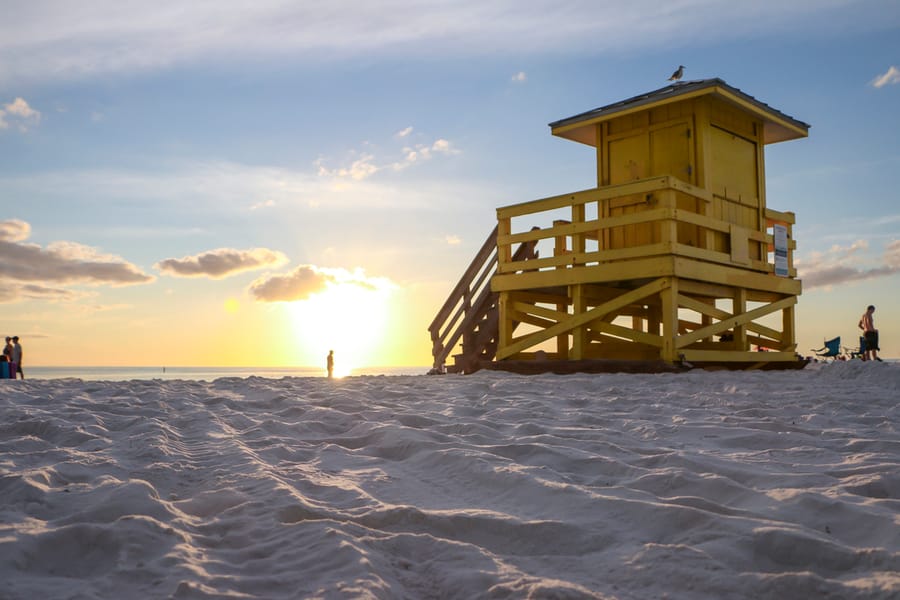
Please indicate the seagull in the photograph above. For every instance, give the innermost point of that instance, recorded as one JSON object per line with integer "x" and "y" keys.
{"x": 677, "y": 74}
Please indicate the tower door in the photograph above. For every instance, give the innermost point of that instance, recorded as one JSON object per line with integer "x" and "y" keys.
{"x": 671, "y": 154}
{"x": 628, "y": 161}
{"x": 735, "y": 181}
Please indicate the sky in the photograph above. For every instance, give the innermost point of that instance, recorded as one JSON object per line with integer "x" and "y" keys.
{"x": 225, "y": 183}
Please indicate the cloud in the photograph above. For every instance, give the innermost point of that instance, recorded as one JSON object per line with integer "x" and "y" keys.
{"x": 19, "y": 113}
{"x": 27, "y": 270}
{"x": 519, "y": 77}
{"x": 308, "y": 280}
{"x": 59, "y": 39}
{"x": 221, "y": 263}
{"x": 14, "y": 230}
{"x": 13, "y": 292}
{"x": 229, "y": 188}
{"x": 891, "y": 77}
{"x": 452, "y": 240}
{"x": 844, "y": 264}
{"x": 404, "y": 132}
{"x": 366, "y": 165}
{"x": 263, "y": 204}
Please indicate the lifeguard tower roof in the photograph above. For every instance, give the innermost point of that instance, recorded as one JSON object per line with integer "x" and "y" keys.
{"x": 777, "y": 126}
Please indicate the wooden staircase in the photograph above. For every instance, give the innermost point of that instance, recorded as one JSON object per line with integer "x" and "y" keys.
{"x": 469, "y": 317}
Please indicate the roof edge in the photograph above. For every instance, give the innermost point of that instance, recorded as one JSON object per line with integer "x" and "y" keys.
{"x": 675, "y": 91}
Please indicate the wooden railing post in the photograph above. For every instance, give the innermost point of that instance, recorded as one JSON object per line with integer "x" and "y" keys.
{"x": 668, "y": 234}
{"x": 669, "y": 296}
{"x": 504, "y": 250}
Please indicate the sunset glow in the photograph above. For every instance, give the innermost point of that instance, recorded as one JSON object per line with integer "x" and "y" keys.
{"x": 350, "y": 319}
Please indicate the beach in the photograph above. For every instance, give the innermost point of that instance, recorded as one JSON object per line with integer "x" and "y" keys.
{"x": 697, "y": 485}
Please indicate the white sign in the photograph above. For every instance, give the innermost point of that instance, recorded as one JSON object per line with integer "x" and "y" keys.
{"x": 781, "y": 250}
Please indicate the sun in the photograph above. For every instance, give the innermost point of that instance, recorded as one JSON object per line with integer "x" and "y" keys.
{"x": 347, "y": 317}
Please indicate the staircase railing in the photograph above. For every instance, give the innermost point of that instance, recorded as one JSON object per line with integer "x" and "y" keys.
{"x": 473, "y": 289}
{"x": 470, "y": 312}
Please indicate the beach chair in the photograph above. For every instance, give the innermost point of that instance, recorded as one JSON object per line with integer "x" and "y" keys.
{"x": 858, "y": 352}
{"x": 832, "y": 349}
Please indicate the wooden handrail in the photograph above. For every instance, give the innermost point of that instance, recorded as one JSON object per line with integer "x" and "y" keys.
{"x": 489, "y": 247}
{"x": 470, "y": 302}
{"x": 661, "y": 208}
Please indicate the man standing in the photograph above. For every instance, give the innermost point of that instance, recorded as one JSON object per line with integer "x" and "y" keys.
{"x": 870, "y": 334}
{"x": 17, "y": 357}
{"x": 330, "y": 363}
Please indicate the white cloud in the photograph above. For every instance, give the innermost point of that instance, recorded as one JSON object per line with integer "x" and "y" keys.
{"x": 15, "y": 292}
{"x": 199, "y": 189}
{"x": 404, "y": 132}
{"x": 19, "y": 113}
{"x": 221, "y": 263}
{"x": 309, "y": 280}
{"x": 891, "y": 77}
{"x": 845, "y": 264}
{"x": 520, "y": 77}
{"x": 452, "y": 240}
{"x": 263, "y": 204}
{"x": 59, "y": 39}
{"x": 365, "y": 164}
{"x": 30, "y": 271}
{"x": 20, "y": 108}
{"x": 444, "y": 147}
{"x": 14, "y": 230}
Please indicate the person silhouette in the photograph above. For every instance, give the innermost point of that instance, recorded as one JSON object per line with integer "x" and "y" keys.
{"x": 330, "y": 362}
{"x": 867, "y": 324}
{"x": 17, "y": 358}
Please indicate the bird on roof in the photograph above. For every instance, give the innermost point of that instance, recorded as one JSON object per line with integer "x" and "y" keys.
{"x": 677, "y": 74}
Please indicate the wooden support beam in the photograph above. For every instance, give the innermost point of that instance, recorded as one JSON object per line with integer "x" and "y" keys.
{"x": 579, "y": 307}
{"x": 788, "y": 337}
{"x": 712, "y": 311}
{"x": 669, "y": 350}
{"x": 540, "y": 311}
{"x": 731, "y": 276}
{"x": 577, "y": 320}
{"x": 740, "y": 329}
{"x": 639, "y": 337}
{"x": 730, "y": 323}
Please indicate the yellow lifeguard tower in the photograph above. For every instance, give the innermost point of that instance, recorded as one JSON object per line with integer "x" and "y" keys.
{"x": 674, "y": 258}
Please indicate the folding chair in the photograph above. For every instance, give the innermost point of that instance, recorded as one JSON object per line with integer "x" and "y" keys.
{"x": 831, "y": 350}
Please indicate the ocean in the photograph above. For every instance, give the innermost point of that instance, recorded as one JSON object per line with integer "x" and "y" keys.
{"x": 201, "y": 373}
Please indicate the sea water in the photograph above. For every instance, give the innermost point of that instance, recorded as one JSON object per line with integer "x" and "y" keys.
{"x": 201, "y": 373}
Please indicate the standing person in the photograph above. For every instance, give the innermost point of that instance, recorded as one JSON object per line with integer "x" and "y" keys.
{"x": 330, "y": 362}
{"x": 867, "y": 324}
{"x": 17, "y": 357}
{"x": 7, "y": 350}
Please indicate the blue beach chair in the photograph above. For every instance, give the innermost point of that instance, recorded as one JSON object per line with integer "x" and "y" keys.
{"x": 831, "y": 350}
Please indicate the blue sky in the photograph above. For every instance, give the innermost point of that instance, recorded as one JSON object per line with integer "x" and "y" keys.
{"x": 170, "y": 166}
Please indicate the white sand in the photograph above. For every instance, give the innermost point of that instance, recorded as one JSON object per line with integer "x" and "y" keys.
{"x": 699, "y": 485}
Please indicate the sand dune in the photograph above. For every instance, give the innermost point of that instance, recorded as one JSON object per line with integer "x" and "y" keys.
{"x": 697, "y": 485}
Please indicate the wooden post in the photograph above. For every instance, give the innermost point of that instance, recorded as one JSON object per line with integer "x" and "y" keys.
{"x": 578, "y": 240}
{"x": 668, "y": 234}
{"x": 740, "y": 331}
{"x": 505, "y": 324}
{"x": 579, "y": 339}
{"x": 788, "y": 329}
{"x": 504, "y": 251}
{"x": 669, "y": 296}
